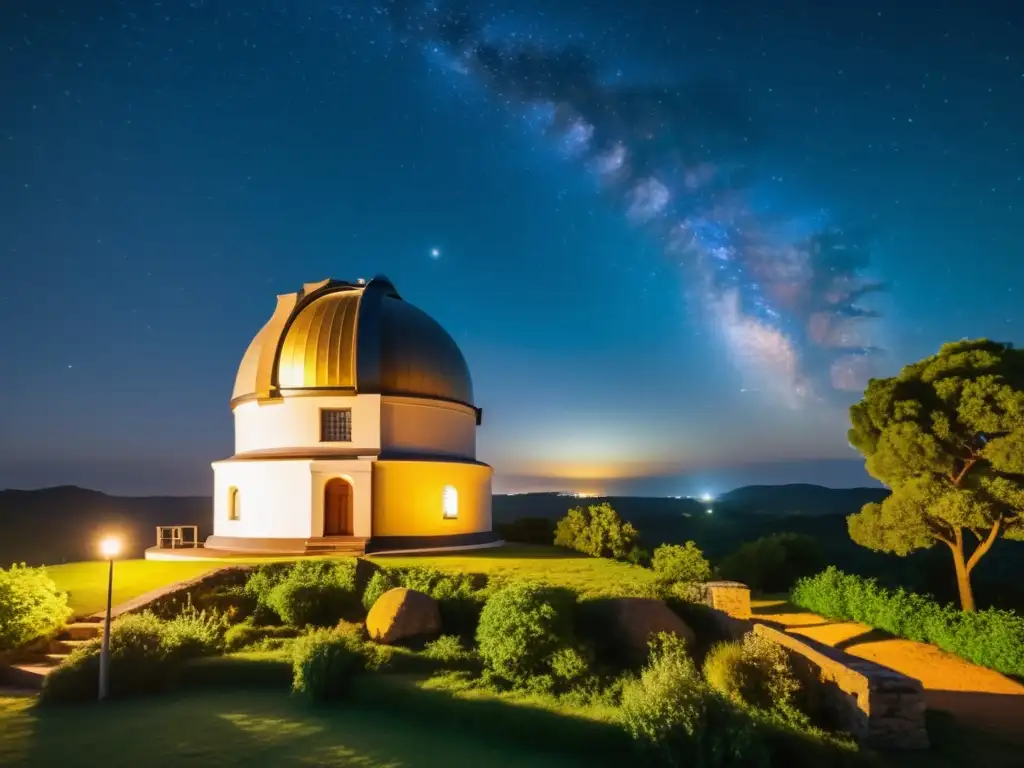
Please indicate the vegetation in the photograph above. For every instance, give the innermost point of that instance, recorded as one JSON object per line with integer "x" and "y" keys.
{"x": 317, "y": 593}
{"x": 674, "y": 564}
{"x": 325, "y": 662}
{"x": 755, "y": 672}
{"x": 596, "y": 531}
{"x": 947, "y": 435}
{"x": 31, "y": 606}
{"x": 145, "y": 652}
{"x": 526, "y": 635}
{"x": 991, "y": 638}
{"x": 774, "y": 563}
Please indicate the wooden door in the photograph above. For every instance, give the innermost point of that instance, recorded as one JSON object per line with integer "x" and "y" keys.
{"x": 337, "y": 508}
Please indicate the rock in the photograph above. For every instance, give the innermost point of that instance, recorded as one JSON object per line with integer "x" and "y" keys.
{"x": 400, "y": 614}
{"x": 635, "y": 619}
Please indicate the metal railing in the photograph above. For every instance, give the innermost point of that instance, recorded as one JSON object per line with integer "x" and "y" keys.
{"x": 177, "y": 536}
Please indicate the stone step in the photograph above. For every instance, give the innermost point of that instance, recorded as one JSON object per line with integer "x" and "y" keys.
{"x": 81, "y": 630}
{"x": 66, "y": 646}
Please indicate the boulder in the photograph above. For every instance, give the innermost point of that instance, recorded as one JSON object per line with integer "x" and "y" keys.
{"x": 635, "y": 619}
{"x": 400, "y": 614}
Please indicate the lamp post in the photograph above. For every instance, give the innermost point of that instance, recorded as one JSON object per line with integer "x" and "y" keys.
{"x": 110, "y": 548}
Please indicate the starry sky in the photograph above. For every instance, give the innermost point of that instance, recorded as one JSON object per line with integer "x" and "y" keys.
{"x": 672, "y": 239}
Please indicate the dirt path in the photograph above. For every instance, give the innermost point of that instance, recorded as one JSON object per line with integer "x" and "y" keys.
{"x": 974, "y": 695}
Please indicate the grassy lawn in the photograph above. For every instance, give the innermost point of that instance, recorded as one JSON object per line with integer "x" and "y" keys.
{"x": 86, "y": 583}
{"x": 240, "y": 728}
{"x": 589, "y": 575}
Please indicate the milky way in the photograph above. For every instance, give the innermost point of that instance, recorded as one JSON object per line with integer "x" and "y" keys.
{"x": 786, "y": 307}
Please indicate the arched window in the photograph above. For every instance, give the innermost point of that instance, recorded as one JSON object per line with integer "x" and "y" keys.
{"x": 234, "y": 504}
{"x": 450, "y": 502}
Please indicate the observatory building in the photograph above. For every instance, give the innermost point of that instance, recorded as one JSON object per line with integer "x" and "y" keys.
{"x": 355, "y": 430}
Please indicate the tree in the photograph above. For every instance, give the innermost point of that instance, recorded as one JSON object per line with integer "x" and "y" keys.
{"x": 680, "y": 564}
{"x": 596, "y": 531}
{"x": 946, "y": 435}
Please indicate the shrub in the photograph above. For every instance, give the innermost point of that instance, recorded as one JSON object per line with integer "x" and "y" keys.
{"x": 677, "y": 720}
{"x": 774, "y": 563}
{"x": 258, "y": 588}
{"x": 755, "y": 672}
{"x": 315, "y": 593}
{"x": 522, "y": 627}
{"x": 446, "y": 648}
{"x": 680, "y": 564}
{"x": 31, "y": 606}
{"x": 992, "y": 638}
{"x": 247, "y": 634}
{"x": 139, "y": 663}
{"x": 194, "y": 633}
{"x": 325, "y": 663}
{"x": 597, "y": 531}
{"x": 379, "y": 583}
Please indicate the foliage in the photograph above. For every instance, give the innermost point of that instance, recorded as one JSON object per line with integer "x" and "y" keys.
{"x": 247, "y": 634}
{"x": 260, "y": 585}
{"x": 446, "y": 648}
{"x": 522, "y": 627}
{"x": 774, "y": 563}
{"x": 325, "y": 663}
{"x": 755, "y": 672}
{"x": 674, "y": 563}
{"x": 947, "y": 435}
{"x": 459, "y": 596}
{"x": 991, "y": 638}
{"x": 31, "y": 606}
{"x": 315, "y": 593}
{"x": 380, "y": 582}
{"x": 194, "y": 633}
{"x": 596, "y": 531}
{"x": 676, "y": 720}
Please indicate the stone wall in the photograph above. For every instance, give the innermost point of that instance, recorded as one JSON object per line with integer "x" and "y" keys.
{"x": 169, "y": 599}
{"x": 730, "y": 597}
{"x": 878, "y": 706}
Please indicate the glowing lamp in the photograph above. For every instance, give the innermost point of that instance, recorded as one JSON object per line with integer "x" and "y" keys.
{"x": 110, "y": 547}
{"x": 707, "y": 497}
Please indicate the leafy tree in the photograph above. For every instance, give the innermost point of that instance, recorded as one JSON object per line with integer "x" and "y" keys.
{"x": 947, "y": 436}
{"x": 774, "y": 563}
{"x": 31, "y": 606}
{"x": 680, "y": 563}
{"x": 597, "y": 531}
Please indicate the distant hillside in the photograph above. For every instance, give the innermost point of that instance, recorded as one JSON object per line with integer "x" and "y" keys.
{"x": 55, "y": 525}
{"x": 800, "y": 499}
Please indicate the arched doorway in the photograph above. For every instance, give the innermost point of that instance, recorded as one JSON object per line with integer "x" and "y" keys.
{"x": 337, "y": 507}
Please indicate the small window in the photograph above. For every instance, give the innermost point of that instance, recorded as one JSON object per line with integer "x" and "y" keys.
{"x": 234, "y": 505}
{"x": 450, "y": 502}
{"x": 336, "y": 425}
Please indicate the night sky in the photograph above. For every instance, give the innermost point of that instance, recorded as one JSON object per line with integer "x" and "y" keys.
{"x": 672, "y": 239}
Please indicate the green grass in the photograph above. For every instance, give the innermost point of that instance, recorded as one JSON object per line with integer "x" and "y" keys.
{"x": 86, "y": 583}
{"x": 242, "y": 728}
{"x": 591, "y": 576}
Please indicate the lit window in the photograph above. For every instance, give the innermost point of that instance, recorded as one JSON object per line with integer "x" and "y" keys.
{"x": 450, "y": 502}
{"x": 234, "y": 505}
{"x": 336, "y": 425}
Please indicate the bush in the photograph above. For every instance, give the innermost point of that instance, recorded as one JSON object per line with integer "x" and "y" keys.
{"x": 194, "y": 633}
{"x": 459, "y": 596}
{"x": 755, "y": 672}
{"x": 258, "y": 588}
{"x": 597, "y": 531}
{"x": 446, "y": 648}
{"x": 774, "y": 563}
{"x": 991, "y": 638}
{"x": 680, "y": 564}
{"x": 325, "y": 663}
{"x": 676, "y": 720}
{"x": 522, "y": 627}
{"x": 315, "y": 593}
{"x": 379, "y": 583}
{"x": 31, "y": 606}
{"x": 247, "y": 634}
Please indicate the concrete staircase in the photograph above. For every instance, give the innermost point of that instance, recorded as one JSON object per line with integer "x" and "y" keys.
{"x": 336, "y": 545}
{"x": 31, "y": 669}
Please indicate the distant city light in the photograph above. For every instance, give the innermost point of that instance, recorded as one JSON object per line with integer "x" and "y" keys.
{"x": 435, "y": 252}
{"x": 705, "y": 497}
{"x": 710, "y": 510}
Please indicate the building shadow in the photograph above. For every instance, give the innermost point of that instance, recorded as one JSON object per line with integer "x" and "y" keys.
{"x": 996, "y": 713}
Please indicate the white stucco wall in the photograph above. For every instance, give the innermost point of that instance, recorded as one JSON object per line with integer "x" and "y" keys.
{"x": 428, "y": 427}
{"x": 275, "y": 499}
{"x": 294, "y": 423}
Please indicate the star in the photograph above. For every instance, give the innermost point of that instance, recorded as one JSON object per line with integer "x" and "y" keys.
{"x": 435, "y": 253}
